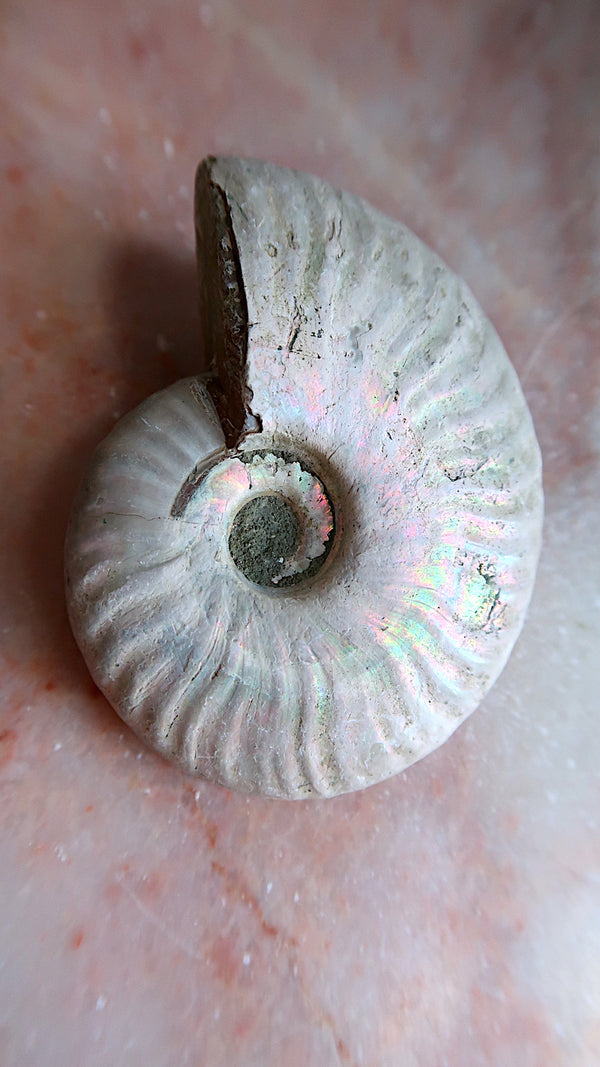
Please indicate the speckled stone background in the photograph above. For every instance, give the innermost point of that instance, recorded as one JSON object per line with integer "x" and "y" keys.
{"x": 450, "y": 917}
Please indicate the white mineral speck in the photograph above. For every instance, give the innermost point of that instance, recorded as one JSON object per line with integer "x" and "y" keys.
{"x": 169, "y": 148}
{"x": 162, "y": 344}
{"x": 269, "y": 887}
{"x": 58, "y": 746}
{"x": 246, "y": 959}
{"x": 101, "y": 1003}
{"x": 206, "y": 14}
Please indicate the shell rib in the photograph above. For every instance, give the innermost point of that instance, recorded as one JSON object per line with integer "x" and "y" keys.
{"x": 360, "y": 382}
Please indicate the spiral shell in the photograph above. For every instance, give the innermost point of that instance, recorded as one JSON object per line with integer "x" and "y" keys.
{"x": 301, "y": 576}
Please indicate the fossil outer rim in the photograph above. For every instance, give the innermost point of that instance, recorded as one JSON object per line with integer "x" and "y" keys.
{"x": 352, "y": 340}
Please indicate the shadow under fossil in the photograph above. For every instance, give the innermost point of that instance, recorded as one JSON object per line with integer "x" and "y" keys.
{"x": 153, "y": 298}
{"x": 153, "y": 340}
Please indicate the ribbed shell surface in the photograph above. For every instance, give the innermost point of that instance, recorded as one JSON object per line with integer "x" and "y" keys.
{"x": 368, "y": 354}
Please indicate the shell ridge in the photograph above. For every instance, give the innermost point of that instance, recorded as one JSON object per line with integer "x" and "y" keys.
{"x": 316, "y": 750}
{"x": 354, "y": 668}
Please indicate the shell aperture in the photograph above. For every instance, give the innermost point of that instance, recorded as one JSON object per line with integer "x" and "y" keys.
{"x": 300, "y": 576}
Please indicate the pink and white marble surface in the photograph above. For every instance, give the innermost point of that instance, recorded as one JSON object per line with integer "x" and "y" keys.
{"x": 449, "y": 917}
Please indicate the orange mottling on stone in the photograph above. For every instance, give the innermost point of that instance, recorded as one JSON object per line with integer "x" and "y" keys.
{"x": 76, "y": 939}
{"x": 8, "y": 744}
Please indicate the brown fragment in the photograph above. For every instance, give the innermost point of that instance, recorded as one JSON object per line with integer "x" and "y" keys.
{"x": 223, "y": 308}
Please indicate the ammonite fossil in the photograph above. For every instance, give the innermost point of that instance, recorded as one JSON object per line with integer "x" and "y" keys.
{"x": 299, "y": 576}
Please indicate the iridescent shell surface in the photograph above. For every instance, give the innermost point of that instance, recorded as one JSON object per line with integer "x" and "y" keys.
{"x": 380, "y": 406}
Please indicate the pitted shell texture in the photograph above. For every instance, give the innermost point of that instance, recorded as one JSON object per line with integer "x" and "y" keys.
{"x": 305, "y": 602}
